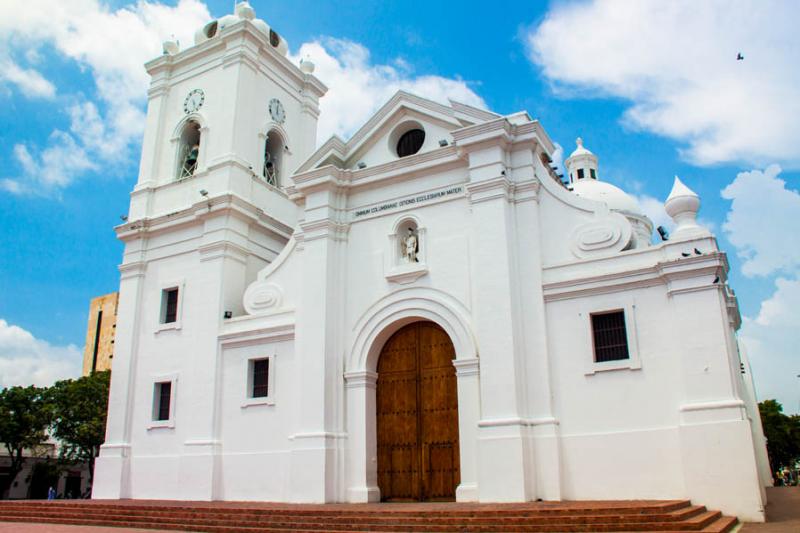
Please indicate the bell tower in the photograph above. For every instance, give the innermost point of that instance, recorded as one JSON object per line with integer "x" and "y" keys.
{"x": 229, "y": 114}
{"x": 228, "y": 121}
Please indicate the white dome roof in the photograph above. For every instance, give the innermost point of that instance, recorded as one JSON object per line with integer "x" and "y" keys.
{"x": 615, "y": 198}
{"x": 242, "y": 11}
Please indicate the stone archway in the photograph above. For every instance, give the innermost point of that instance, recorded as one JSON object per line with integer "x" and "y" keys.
{"x": 371, "y": 332}
{"x": 417, "y": 416}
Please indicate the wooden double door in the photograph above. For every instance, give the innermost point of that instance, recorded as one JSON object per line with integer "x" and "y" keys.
{"x": 417, "y": 416}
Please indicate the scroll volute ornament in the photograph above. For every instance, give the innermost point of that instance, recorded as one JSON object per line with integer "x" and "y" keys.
{"x": 605, "y": 234}
{"x": 261, "y": 297}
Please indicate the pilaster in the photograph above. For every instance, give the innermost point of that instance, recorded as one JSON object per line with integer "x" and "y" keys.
{"x": 362, "y": 451}
{"x": 719, "y": 466}
{"x": 112, "y": 467}
{"x": 317, "y": 442}
{"x": 469, "y": 391}
{"x": 502, "y": 438}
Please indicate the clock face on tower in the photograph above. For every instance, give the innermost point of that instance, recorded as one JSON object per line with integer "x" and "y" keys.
{"x": 276, "y": 111}
{"x": 194, "y": 101}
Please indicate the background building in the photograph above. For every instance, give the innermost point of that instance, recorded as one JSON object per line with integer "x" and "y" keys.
{"x": 40, "y": 471}
{"x": 100, "y": 331}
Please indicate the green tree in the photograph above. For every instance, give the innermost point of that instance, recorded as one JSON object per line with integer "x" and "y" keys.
{"x": 24, "y": 418}
{"x": 782, "y": 433}
{"x": 79, "y": 410}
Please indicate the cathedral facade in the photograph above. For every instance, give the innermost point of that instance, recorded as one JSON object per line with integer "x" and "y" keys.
{"x": 425, "y": 311}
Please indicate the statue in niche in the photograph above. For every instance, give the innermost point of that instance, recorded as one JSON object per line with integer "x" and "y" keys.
{"x": 411, "y": 247}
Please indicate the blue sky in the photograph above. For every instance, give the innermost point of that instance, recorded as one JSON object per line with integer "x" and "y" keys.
{"x": 654, "y": 90}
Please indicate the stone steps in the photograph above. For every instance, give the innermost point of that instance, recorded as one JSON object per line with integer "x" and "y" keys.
{"x": 227, "y": 517}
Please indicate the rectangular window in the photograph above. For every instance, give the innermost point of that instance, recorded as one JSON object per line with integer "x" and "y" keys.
{"x": 592, "y": 174}
{"x": 169, "y": 305}
{"x": 260, "y": 370}
{"x": 580, "y": 173}
{"x": 162, "y": 398}
{"x": 610, "y": 336}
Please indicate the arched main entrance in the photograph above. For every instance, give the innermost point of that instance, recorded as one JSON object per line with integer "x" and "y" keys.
{"x": 417, "y": 415}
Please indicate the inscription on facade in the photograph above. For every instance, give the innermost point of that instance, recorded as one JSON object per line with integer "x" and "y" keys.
{"x": 411, "y": 200}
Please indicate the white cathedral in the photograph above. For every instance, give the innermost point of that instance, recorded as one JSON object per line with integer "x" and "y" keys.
{"x": 422, "y": 312}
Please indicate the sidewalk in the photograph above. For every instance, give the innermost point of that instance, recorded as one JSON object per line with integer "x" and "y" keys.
{"x": 783, "y": 512}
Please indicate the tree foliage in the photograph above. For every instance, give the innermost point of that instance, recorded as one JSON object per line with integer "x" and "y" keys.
{"x": 79, "y": 409}
{"x": 24, "y": 419}
{"x": 782, "y": 433}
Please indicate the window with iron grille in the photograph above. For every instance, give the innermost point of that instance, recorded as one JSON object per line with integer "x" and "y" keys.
{"x": 610, "y": 336}
{"x": 169, "y": 305}
{"x": 162, "y": 397}
{"x": 260, "y": 377}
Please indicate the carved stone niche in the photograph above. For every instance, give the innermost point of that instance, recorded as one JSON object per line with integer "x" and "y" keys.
{"x": 408, "y": 250}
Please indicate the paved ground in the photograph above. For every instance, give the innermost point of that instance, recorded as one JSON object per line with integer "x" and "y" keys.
{"x": 783, "y": 512}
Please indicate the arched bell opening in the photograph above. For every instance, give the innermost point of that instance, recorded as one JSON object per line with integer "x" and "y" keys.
{"x": 188, "y": 150}
{"x": 274, "y": 148}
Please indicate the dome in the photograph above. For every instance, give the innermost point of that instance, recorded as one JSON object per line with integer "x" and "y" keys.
{"x": 242, "y": 11}
{"x": 615, "y": 198}
{"x": 227, "y": 20}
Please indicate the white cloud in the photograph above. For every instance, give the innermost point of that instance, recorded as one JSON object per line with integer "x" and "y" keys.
{"x": 30, "y": 82}
{"x": 26, "y": 360}
{"x": 772, "y": 341}
{"x": 113, "y": 45}
{"x": 654, "y": 209}
{"x": 759, "y": 222}
{"x": 357, "y": 87}
{"x": 676, "y": 64}
{"x": 54, "y": 167}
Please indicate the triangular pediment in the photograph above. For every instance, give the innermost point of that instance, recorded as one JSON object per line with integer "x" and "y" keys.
{"x": 375, "y": 142}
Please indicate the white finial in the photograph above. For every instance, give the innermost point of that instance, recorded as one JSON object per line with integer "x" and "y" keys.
{"x": 682, "y": 206}
{"x": 579, "y": 142}
{"x": 306, "y": 65}
{"x": 244, "y": 10}
{"x": 170, "y": 46}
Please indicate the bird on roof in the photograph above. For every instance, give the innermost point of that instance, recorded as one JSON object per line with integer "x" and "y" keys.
{"x": 739, "y": 56}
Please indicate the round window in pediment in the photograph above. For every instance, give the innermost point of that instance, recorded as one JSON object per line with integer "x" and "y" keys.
{"x": 410, "y": 142}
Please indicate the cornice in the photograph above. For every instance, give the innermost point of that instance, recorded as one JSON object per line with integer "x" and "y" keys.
{"x": 223, "y": 250}
{"x": 324, "y": 229}
{"x": 245, "y": 30}
{"x": 240, "y": 332}
{"x": 490, "y": 189}
{"x": 494, "y": 128}
{"x": 132, "y": 269}
{"x": 683, "y": 275}
{"x": 225, "y": 204}
{"x": 472, "y": 112}
{"x": 410, "y": 167}
{"x": 360, "y": 379}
